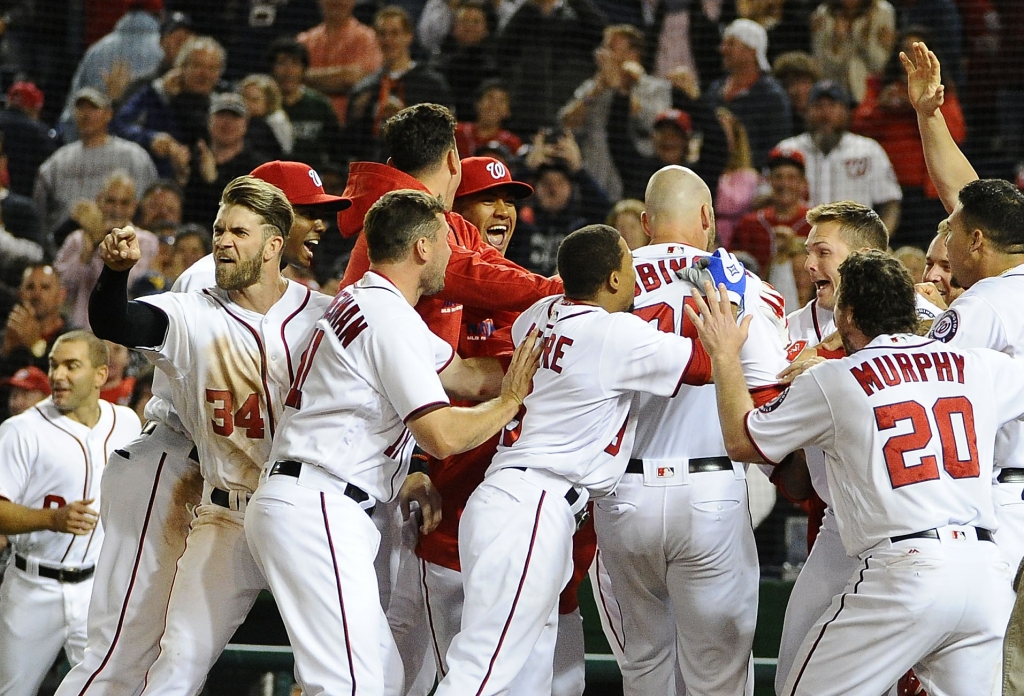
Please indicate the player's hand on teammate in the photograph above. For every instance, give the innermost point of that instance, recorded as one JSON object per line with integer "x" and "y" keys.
{"x": 924, "y": 80}
{"x": 931, "y": 293}
{"x": 120, "y": 249}
{"x": 519, "y": 379}
{"x": 716, "y": 325}
{"x": 74, "y": 518}
{"x": 418, "y": 487}
{"x": 721, "y": 268}
{"x": 799, "y": 366}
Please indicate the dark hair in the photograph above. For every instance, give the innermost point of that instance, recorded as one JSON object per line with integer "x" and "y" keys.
{"x": 263, "y": 199}
{"x": 196, "y": 230}
{"x": 880, "y": 293}
{"x": 859, "y": 225}
{"x": 396, "y": 12}
{"x": 996, "y": 207}
{"x": 394, "y": 223}
{"x": 287, "y": 46}
{"x": 418, "y": 137}
{"x": 586, "y": 258}
{"x": 164, "y": 185}
{"x": 99, "y": 354}
{"x": 489, "y": 84}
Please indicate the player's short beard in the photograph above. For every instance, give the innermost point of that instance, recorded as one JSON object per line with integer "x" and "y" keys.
{"x": 434, "y": 284}
{"x": 241, "y": 274}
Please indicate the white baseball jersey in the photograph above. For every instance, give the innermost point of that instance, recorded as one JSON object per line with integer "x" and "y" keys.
{"x": 48, "y": 460}
{"x": 687, "y": 425}
{"x": 232, "y": 367}
{"x": 575, "y": 423}
{"x": 907, "y": 426}
{"x": 857, "y": 169}
{"x": 372, "y": 364}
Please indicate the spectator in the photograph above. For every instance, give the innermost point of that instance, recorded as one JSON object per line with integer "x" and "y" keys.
{"x": 689, "y": 34}
{"x": 16, "y": 253}
{"x": 225, "y": 158}
{"x": 852, "y": 40}
{"x": 191, "y": 244}
{"x": 767, "y": 230}
{"x": 35, "y": 322}
{"x": 565, "y": 199}
{"x": 438, "y": 16}
{"x": 749, "y": 91}
{"x": 119, "y": 387}
{"x": 128, "y": 52}
{"x": 18, "y": 213}
{"x": 492, "y": 109}
{"x": 887, "y": 116}
{"x": 786, "y": 23}
{"x": 797, "y": 72}
{"x": 263, "y": 101}
{"x": 254, "y": 25}
{"x": 913, "y": 259}
{"x": 843, "y": 166}
{"x": 175, "y": 32}
{"x": 169, "y": 115}
{"x": 467, "y": 59}
{"x": 626, "y": 218}
{"x": 27, "y": 141}
{"x": 160, "y": 206}
{"x": 544, "y": 66}
{"x": 619, "y": 93}
{"x": 78, "y": 260}
{"x": 28, "y": 386}
{"x": 737, "y": 185}
{"x": 79, "y": 170}
{"x": 400, "y": 83}
{"x": 342, "y": 51}
{"x": 942, "y": 19}
{"x": 317, "y": 135}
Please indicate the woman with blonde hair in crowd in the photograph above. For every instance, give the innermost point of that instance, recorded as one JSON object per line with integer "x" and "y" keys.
{"x": 263, "y": 100}
{"x": 625, "y": 217}
{"x": 738, "y": 184}
{"x": 852, "y": 39}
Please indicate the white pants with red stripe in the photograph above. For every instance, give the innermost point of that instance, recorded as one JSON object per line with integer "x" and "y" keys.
{"x": 145, "y": 512}
{"x": 515, "y": 548}
{"x": 316, "y": 547}
{"x": 937, "y": 605}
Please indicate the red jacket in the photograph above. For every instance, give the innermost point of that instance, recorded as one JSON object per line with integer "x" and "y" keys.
{"x": 477, "y": 276}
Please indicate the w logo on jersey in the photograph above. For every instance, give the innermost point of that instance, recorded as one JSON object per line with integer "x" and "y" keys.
{"x": 856, "y": 168}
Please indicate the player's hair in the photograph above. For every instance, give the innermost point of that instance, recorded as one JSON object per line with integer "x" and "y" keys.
{"x": 586, "y": 258}
{"x": 396, "y": 12}
{"x": 859, "y": 225}
{"x": 631, "y": 34}
{"x": 996, "y": 207}
{"x": 200, "y": 43}
{"x": 396, "y": 221}
{"x": 418, "y": 137}
{"x": 263, "y": 199}
{"x": 99, "y": 354}
{"x": 880, "y": 293}
{"x": 287, "y": 46}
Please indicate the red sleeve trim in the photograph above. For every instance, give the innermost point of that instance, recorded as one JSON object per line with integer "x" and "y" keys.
{"x": 762, "y": 395}
{"x": 746, "y": 429}
{"x": 698, "y": 370}
{"x": 447, "y": 362}
{"x": 425, "y": 409}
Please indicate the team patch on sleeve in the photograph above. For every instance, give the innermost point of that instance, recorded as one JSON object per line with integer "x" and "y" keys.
{"x": 945, "y": 327}
{"x": 774, "y": 403}
{"x": 794, "y": 349}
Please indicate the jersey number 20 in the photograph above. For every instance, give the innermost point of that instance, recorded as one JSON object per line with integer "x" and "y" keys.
{"x": 954, "y": 419}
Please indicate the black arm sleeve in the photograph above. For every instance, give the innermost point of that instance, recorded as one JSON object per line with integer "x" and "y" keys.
{"x": 114, "y": 318}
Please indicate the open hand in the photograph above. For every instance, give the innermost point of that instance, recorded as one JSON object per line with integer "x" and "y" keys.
{"x": 519, "y": 379}
{"x": 924, "y": 80}
{"x": 716, "y": 326}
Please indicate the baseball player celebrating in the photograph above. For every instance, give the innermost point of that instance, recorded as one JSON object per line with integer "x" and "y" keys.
{"x": 570, "y": 440}
{"x": 145, "y": 532}
{"x": 231, "y": 351}
{"x": 52, "y": 457}
{"x": 676, "y": 538}
{"x": 372, "y": 380}
{"x": 909, "y": 464}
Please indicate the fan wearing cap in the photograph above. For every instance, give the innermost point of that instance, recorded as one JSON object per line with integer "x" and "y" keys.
{"x": 27, "y": 141}
{"x": 28, "y": 386}
{"x": 749, "y": 91}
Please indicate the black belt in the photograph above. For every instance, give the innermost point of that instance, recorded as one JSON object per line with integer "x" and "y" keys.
{"x": 1011, "y": 476}
{"x": 58, "y": 574}
{"x": 983, "y": 535}
{"x": 290, "y": 467}
{"x": 571, "y": 496}
{"x": 697, "y": 465}
{"x": 223, "y": 498}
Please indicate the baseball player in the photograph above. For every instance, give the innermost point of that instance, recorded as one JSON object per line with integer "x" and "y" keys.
{"x": 145, "y": 532}
{"x": 372, "y": 381}
{"x": 570, "y": 440}
{"x": 52, "y": 457}
{"x": 231, "y": 351}
{"x": 908, "y": 426}
{"x": 937, "y": 270}
{"x": 487, "y": 198}
{"x": 676, "y": 537}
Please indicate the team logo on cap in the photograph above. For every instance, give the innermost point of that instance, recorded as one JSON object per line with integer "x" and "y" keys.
{"x": 775, "y": 403}
{"x": 944, "y": 328}
{"x": 316, "y": 178}
{"x": 497, "y": 170}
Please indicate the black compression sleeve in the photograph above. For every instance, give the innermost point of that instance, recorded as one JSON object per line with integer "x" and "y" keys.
{"x": 114, "y": 318}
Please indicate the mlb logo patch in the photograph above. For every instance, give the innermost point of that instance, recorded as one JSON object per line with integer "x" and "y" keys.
{"x": 958, "y": 535}
{"x": 666, "y": 472}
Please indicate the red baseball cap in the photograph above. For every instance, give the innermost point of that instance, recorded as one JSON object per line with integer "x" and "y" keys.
{"x": 679, "y": 119}
{"x": 485, "y": 173}
{"x": 301, "y": 185}
{"x": 780, "y": 156}
{"x": 29, "y": 378}
{"x": 26, "y": 94}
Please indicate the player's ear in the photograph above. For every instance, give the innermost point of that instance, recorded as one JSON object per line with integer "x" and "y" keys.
{"x": 100, "y": 376}
{"x": 273, "y": 247}
{"x": 645, "y": 223}
{"x": 977, "y": 239}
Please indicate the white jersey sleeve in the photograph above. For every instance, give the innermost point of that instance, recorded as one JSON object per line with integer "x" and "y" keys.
{"x": 1008, "y": 373}
{"x": 798, "y": 417}
{"x": 638, "y": 357}
{"x": 407, "y": 373}
{"x": 970, "y": 322}
{"x": 16, "y": 455}
{"x": 175, "y": 355}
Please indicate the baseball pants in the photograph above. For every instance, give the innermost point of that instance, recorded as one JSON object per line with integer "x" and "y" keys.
{"x": 215, "y": 584}
{"x": 937, "y": 605}
{"x": 148, "y": 490}
{"x": 38, "y": 617}
{"x": 684, "y": 571}
{"x": 317, "y": 546}
{"x": 443, "y": 594}
{"x": 1009, "y": 504}
{"x": 515, "y": 549}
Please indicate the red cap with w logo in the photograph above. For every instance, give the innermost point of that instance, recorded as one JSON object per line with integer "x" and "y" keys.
{"x": 485, "y": 173}
{"x": 301, "y": 185}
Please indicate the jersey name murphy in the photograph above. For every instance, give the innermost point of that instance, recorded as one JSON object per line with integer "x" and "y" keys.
{"x": 903, "y": 368}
